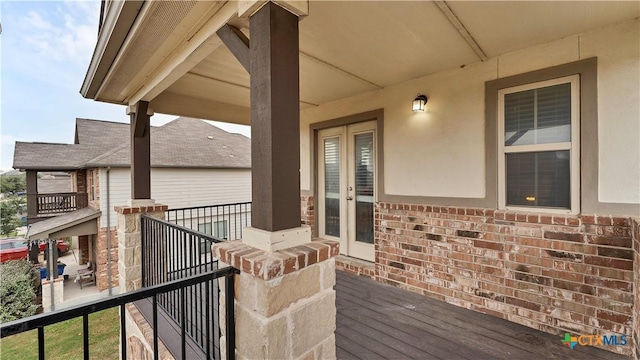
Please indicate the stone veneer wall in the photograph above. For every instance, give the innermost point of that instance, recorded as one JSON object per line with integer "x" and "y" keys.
{"x": 284, "y": 300}
{"x": 102, "y": 279}
{"x": 307, "y": 213}
{"x": 552, "y": 273}
{"x": 635, "y": 231}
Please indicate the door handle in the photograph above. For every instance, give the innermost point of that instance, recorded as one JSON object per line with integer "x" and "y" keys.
{"x": 349, "y": 197}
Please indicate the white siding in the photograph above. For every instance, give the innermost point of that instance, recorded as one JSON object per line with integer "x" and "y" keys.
{"x": 178, "y": 188}
{"x": 119, "y": 189}
{"x": 440, "y": 153}
{"x": 190, "y": 187}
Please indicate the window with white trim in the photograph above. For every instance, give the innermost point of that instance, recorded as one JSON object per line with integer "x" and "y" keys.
{"x": 539, "y": 146}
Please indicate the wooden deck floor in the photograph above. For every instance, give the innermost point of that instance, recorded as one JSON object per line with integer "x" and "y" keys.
{"x": 377, "y": 321}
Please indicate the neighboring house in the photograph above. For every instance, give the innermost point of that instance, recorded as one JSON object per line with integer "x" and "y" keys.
{"x": 193, "y": 164}
{"x": 514, "y": 193}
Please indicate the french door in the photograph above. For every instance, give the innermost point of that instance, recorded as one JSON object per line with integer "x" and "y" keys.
{"x": 346, "y": 187}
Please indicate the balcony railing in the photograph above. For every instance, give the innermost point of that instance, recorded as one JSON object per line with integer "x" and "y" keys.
{"x": 222, "y": 221}
{"x": 154, "y": 293}
{"x": 52, "y": 204}
{"x": 171, "y": 252}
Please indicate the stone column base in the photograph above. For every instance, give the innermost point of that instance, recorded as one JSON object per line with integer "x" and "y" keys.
{"x": 130, "y": 243}
{"x": 285, "y": 301}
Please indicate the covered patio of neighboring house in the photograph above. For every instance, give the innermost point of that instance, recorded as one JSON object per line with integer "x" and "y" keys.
{"x": 475, "y": 153}
{"x": 78, "y": 223}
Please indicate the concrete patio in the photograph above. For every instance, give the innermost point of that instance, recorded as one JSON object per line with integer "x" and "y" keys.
{"x": 73, "y": 293}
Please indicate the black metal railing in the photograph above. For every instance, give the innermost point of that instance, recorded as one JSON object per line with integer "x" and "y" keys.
{"x": 154, "y": 292}
{"x": 171, "y": 252}
{"x": 50, "y": 204}
{"x": 222, "y": 221}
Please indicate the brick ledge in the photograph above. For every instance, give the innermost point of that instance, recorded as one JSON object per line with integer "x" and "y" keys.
{"x": 140, "y": 209}
{"x": 356, "y": 266}
{"x": 270, "y": 265}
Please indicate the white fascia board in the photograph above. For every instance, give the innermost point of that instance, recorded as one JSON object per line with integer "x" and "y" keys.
{"x": 115, "y": 28}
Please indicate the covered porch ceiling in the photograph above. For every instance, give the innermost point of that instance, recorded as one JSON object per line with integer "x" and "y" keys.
{"x": 168, "y": 52}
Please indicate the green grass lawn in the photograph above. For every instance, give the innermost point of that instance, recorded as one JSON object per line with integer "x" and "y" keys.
{"x": 64, "y": 340}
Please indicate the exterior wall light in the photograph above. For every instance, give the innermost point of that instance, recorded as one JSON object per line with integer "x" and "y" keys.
{"x": 419, "y": 102}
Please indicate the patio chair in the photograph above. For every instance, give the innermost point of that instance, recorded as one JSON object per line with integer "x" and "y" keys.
{"x": 86, "y": 276}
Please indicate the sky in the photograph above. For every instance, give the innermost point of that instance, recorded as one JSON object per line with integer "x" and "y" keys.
{"x": 45, "y": 49}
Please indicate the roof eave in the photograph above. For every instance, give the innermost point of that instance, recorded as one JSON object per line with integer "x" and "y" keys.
{"x": 155, "y": 166}
{"x": 118, "y": 21}
{"x": 47, "y": 168}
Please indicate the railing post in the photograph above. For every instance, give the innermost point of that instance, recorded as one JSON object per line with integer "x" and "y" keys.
{"x": 156, "y": 352}
{"x": 143, "y": 252}
{"x": 230, "y": 316}
{"x": 85, "y": 335}
{"x": 123, "y": 333}
{"x": 41, "y": 343}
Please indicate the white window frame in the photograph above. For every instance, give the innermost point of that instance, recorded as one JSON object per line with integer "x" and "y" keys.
{"x": 573, "y": 146}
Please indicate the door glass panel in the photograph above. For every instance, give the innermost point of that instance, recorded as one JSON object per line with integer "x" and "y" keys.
{"x": 364, "y": 170}
{"x": 332, "y": 186}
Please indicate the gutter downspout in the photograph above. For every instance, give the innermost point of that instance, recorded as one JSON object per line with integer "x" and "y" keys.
{"x": 109, "y": 279}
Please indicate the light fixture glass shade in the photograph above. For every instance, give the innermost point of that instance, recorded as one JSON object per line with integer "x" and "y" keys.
{"x": 419, "y": 103}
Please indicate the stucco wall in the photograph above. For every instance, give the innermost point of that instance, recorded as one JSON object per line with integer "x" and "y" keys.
{"x": 178, "y": 188}
{"x": 440, "y": 153}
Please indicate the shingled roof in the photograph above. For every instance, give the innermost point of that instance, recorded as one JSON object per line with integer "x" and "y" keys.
{"x": 49, "y": 156}
{"x": 184, "y": 142}
{"x": 102, "y": 134}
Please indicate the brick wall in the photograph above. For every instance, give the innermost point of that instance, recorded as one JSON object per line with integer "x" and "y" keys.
{"x": 83, "y": 247}
{"x": 635, "y": 230}
{"x": 307, "y": 213}
{"x": 80, "y": 181}
{"x": 93, "y": 187}
{"x": 553, "y": 273}
{"x": 102, "y": 278}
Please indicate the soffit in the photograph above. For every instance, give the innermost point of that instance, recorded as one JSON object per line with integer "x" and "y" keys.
{"x": 504, "y": 26}
{"x": 165, "y": 25}
{"x": 383, "y": 42}
{"x": 351, "y": 47}
{"x": 347, "y": 48}
{"x": 220, "y": 77}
